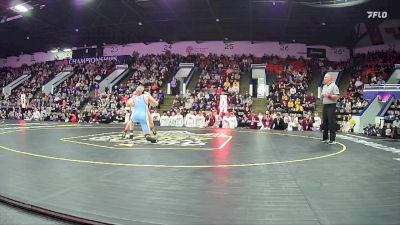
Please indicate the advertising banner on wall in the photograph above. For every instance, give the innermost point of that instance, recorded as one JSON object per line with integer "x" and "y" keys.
{"x": 316, "y": 53}
{"x": 257, "y": 49}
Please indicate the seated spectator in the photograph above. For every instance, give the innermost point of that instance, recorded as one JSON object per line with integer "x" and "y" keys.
{"x": 278, "y": 123}
{"x": 307, "y": 124}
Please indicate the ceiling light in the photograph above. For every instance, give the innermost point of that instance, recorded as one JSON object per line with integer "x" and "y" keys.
{"x": 323, "y": 24}
{"x": 140, "y": 23}
{"x": 76, "y": 30}
{"x": 161, "y": 40}
{"x": 27, "y": 38}
{"x": 67, "y": 50}
{"x": 217, "y": 20}
{"x": 21, "y": 8}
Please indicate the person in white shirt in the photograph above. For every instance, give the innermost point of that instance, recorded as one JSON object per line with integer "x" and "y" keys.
{"x": 190, "y": 120}
{"x": 178, "y": 120}
{"x": 127, "y": 115}
{"x": 223, "y": 103}
{"x": 189, "y": 103}
{"x": 293, "y": 123}
{"x": 172, "y": 120}
{"x": 260, "y": 117}
{"x": 156, "y": 118}
{"x": 164, "y": 120}
{"x": 200, "y": 120}
{"x": 232, "y": 121}
{"x": 286, "y": 119}
{"x": 225, "y": 121}
{"x": 292, "y": 90}
{"x": 358, "y": 83}
{"x": 36, "y": 115}
{"x": 218, "y": 120}
{"x": 44, "y": 113}
{"x": 317, "y": 122}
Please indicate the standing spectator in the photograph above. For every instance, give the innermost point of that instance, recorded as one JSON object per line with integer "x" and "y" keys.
{"x": 96, "y": 89}
{"x": 160, "y": 97}
{"x": 174, "y": 86}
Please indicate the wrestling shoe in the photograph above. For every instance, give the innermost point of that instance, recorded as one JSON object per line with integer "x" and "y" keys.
{"x": 151, "y": 139}
{"x": 332, "y": 142}
{"x": 124, "y": 135}
{"x": 154, "y": 131}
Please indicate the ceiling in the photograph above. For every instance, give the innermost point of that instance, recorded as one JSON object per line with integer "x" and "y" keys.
{"x": 67, "y": 23}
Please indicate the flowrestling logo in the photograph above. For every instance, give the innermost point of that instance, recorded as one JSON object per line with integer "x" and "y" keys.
{"x": 377, "y": 14}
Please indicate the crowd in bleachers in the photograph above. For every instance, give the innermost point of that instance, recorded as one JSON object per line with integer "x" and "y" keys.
{"x": 287, "y": 103}
{"x": 389, "y": 130}
{"x": 220, "y": 75}
{"x": 391, "y": 121}
{"x": 66, "y": 99}
{"x": 9, "y": 74}
{"x": 151, "y": 71}
{"x": 370, "y": 69}
{"x": 288, "y": 94}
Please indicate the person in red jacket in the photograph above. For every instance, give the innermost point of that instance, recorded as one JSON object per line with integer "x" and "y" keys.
{"x": 253, "y": 120}
{"x": 73, "y": 118}
{"x": 211, "y": 119}
{"x": 266, "y": 121}
{"x": 307, "y": 123}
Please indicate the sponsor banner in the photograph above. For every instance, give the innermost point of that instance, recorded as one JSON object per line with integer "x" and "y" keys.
{"x": 316, "y": 53}
{"x": 257, "y": 49}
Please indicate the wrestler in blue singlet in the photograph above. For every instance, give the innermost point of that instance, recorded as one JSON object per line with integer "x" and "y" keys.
{"x": 139, "y": 113}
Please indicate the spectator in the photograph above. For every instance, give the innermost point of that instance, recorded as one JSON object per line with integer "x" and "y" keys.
{"x": 278, "y": 123}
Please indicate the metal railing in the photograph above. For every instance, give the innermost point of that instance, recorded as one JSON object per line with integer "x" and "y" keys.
{"x": 381, "y": 86}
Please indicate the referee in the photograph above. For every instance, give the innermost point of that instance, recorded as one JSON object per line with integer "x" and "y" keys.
{"x": 330, "y": 94}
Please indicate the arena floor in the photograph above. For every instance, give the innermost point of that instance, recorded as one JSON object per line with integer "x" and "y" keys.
{"x": 200, "y": 176}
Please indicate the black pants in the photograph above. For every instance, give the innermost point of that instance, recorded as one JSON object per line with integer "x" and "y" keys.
{"x": 329, "y": 121}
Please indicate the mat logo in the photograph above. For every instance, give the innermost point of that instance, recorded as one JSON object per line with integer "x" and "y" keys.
{"x": 165, "y": 140}
{"x": 377, "y": 14}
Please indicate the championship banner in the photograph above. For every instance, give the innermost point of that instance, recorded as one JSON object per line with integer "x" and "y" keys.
{"x": 121, "y": 59}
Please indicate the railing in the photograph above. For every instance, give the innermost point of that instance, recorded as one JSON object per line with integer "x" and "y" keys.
{"x": 381, "y": 86}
